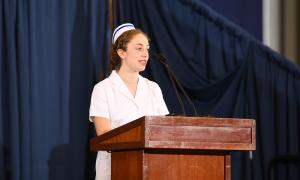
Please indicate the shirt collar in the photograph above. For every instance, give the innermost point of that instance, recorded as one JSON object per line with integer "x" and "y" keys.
{"x": 117, "y": 81}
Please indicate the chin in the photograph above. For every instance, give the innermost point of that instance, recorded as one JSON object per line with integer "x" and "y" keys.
{"x": 142, "y": 68}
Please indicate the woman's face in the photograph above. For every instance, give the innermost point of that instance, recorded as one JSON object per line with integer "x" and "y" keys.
{"x": 135, "y": 58}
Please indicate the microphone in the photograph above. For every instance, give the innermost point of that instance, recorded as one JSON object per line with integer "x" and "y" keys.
{"x": 176, "y": 84}
{"x": 162, "y": 60}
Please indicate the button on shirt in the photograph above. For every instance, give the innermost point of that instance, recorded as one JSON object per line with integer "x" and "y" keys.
{"x": 112, "y": 99}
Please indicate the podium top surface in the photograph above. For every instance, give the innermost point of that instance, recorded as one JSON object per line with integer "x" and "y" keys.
{"x": 178, "y": 132}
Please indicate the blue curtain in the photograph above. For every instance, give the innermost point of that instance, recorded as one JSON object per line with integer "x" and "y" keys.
{"x": 50, "y": 59}
{"x": 226, "y": 72}
{"x": 53, "y": 52}
{"x": 247, "y": 13}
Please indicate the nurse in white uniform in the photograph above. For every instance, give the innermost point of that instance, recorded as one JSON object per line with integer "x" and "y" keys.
{"x": 125, "y": 95}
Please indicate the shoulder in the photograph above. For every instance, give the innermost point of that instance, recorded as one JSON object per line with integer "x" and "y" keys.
{"x": 113, "y": 78}
{"x": 152, "y": 83}
{"x": 149, "y": 83}
{"x": 102, "y": 84}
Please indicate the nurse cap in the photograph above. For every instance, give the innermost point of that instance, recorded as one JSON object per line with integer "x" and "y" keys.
{"x": 120, "y": 30}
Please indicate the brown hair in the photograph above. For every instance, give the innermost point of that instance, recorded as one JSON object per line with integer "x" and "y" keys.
{"x": 121, "y": 43}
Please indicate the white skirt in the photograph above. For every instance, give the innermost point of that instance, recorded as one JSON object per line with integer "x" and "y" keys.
{"x": 103, "y": 166}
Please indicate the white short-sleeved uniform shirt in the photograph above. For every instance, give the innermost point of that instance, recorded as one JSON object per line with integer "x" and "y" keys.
{"x": 112, "y": 99}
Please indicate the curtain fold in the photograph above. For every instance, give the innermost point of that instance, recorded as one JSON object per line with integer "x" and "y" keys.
{"x": 52, "y": 53}
{"x": 226, "y": 72}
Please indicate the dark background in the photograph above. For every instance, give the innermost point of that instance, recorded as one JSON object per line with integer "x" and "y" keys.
{"x": 53, "y": 52}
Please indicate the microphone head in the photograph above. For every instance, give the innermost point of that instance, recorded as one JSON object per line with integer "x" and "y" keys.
{"x": 161, "y": 57}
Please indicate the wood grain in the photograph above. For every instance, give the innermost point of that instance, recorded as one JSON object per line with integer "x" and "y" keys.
{"x": 164, "y": 147}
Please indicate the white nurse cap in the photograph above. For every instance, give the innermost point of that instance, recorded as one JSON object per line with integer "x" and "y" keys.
{"x": 120, "y": 30}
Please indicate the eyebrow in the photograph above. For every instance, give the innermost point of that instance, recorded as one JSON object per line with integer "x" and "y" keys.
{"x": 140, "y": 44}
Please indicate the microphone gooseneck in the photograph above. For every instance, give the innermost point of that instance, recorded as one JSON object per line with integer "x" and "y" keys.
{"x": 175, "y": 83}
{"x": 162, "y": 60}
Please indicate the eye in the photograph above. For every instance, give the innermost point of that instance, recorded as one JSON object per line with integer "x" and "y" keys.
{"x": 139, "y": 48}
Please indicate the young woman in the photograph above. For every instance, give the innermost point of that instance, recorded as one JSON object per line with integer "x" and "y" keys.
{"x": 125, "y": 95}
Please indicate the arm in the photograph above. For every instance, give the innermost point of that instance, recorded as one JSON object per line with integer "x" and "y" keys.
{"x": 102, "y": 125}
{"x": 99, "y": 111}
{"x": 161, "y": 105}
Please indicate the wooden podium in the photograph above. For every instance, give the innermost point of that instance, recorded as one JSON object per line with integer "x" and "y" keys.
{"x": 175, "y": 147}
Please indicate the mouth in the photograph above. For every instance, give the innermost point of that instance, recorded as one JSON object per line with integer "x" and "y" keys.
{"x": 143, "y": 62}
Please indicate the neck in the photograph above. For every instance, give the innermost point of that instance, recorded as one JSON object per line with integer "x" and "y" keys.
{"x": 128, "y": 77}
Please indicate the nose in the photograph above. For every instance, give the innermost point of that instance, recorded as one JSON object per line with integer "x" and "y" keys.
{"x": 145, "y": 53}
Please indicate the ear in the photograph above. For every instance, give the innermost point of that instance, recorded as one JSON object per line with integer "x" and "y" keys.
{"x": 121, "y": 53}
